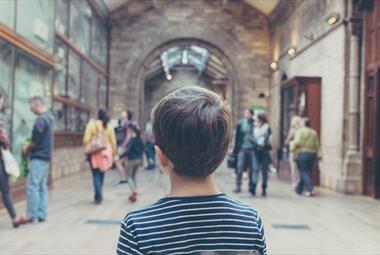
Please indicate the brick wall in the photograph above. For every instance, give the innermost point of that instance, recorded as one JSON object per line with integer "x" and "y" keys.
{"x": 237, "y": 31}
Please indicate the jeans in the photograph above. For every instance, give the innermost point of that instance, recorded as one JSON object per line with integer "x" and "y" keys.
{"x": 246, "y": 159}
{"x": 98, "y": 179}
{"x": 305, "y": 163}
{"x": 5, "y": 191}
{"x": 150, "y": 154}
{"x": 262, "y": 163}
{"x": 37, "y": 189}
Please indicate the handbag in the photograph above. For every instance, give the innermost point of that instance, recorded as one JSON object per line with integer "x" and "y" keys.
{"x": 10, "y": 164}
{"x": 97, "y": 142}
{"x": 103, "y": 159}
{"x": 232, "y": 161}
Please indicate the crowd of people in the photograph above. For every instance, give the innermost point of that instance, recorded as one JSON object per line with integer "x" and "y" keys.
{"x": 252, "y": 147}
{"x": 191, "y": 133}
{"x": 105, "y": 147}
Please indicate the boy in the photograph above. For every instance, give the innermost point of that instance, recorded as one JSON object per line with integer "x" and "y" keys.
{"x": 192, "y": 128}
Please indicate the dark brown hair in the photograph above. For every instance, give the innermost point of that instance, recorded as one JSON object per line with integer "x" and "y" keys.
{"x": 192, "y": 127}
{"x": 262, "y": 117}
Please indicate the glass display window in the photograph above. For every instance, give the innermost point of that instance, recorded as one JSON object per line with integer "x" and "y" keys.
{"x": 73, "y": 90}
{"x": 89, "y": 85}
{"x": 62, "y": 17}
{"x": 32, "y": 79}
{"x": 80, "y": 28}
{"x": 6, "y": 73}
{"x": 60, "y": 67}
{"x": 7, "y": 12}
{"x": 99, "y": 42}
{"x": 35, "y": 22}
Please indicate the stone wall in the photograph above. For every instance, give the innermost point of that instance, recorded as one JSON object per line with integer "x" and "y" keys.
{"x": 321, "y": 52}
{"x": 68, "y": 161}
{"x": 236, "y": 30}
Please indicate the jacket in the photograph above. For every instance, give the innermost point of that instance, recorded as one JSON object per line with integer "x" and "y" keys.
{"x": 306, "y": 140}
{"x": 93, "y": 127}
{"x": 239, "y": 136}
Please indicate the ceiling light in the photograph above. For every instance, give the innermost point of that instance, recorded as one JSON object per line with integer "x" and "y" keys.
{"x": 274, "y": 66}
{"x": 169, "y": 77}
{"x": 333, "y": 18}
{"x": 292, "y": 51}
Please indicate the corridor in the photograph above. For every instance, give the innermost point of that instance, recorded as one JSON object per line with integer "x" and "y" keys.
{"x": 330, "y": 223}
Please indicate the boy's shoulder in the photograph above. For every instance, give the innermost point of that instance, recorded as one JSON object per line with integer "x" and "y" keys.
{"x": 173, "y": 205}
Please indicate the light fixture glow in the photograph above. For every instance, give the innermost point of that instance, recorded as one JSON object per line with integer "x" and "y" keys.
{"x": 169, "y": 77}
{"x": 274, "y": 66}
{"x": 333, "y": 18}
{"x": 292, "y": 51}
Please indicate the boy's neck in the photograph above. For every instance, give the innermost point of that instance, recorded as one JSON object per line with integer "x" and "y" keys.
{"x": 187, "y": 187}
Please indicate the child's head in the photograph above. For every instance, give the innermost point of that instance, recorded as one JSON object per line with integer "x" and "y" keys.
{"x": 192, "y": 128}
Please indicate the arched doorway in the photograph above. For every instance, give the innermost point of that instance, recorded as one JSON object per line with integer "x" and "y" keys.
{"x": 182, "y": 62}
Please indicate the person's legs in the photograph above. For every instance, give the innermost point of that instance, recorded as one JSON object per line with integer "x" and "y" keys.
{"x": 5, "y": 192}
{"x": 97, "y": 179}
{"x": 254, "y": 172}
{"x": 44, "y": 195}
{"x": 265, "y": 162}
{"x": 120, "y": 170}
{"x": 241, "y": 165}
{"x": 309, "y": 159}
{"x": 33, "y": 189}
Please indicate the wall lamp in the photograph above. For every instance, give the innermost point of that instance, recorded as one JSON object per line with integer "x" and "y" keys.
{"x": 169, "y": 77}
{"x": 274, "y": 66}
{"x": 333, "y": 18}
{"x": 292, "y": 51}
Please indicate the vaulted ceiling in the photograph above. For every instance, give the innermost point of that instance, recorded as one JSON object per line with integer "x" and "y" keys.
{"x": 265, "y": 6}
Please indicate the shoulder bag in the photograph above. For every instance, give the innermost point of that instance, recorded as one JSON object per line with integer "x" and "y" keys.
{"x": 97, "y": 142}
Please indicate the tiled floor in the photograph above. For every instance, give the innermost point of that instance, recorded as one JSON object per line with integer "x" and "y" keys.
{"x": 328, "y": 224}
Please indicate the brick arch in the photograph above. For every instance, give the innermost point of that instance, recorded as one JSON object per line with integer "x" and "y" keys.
{"x": 233, "y": 83}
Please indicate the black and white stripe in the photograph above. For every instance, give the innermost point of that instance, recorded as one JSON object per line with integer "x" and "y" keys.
{"x": 192, "y": 225}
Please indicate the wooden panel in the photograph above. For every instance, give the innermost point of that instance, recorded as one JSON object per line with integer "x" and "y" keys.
{"x": 20, "y": 42}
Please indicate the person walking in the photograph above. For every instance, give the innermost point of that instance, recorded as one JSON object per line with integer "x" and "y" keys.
{"x": 262, "y": 136}
{"x": 4, "y": 183}
{"x": 40, "y": 150}
{"x": 296, "y": 123}
{"x": 244, "y": 149}
{"x": 306, "y": 146}
{"x": 149, "y": 147}
{"x": 101, "y": 160}
{"x": 134, "y": 154}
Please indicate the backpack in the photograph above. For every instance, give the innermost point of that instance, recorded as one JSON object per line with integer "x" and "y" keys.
{"x": 102, "y": 160}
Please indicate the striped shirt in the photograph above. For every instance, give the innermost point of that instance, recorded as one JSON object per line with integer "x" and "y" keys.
{"x": 213, "y": 224}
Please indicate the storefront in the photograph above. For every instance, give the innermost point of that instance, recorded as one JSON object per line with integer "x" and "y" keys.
{"x": 57, "y": 50}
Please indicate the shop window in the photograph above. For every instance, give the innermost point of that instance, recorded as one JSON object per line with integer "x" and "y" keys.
{"x": 6, "y": 70}
{"x": 35, "y": 22}
{"x": 89, "y": 85}
{"x": 7, "y": 12}
{"x": 99, "y": 42}
{"x": 74, "y": 76}
{"x": 32, "y": 79}
{"x": 60, "y": 67}
{"x": 77, "y": 119}
{"x": 62, "y": 17}
{"x": 80, "y": 25}
{"x": 59, "y": 111}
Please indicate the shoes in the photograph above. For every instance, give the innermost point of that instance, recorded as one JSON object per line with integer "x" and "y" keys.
{"x": 309, "y": 194}
{"x": 98, "y": 202}
{"x": 20, "y": 220}
{"x": 133, "y": 197}
{"x": 151, "y": 167}
{"x": 41, "y": 220}
{"x": 264, "y": 193}
{"x": 237, "y": 190}
{"x": 122, "y": 182}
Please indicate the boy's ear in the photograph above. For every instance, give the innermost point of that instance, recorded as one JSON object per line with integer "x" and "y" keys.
{"x": 163, "y": 159}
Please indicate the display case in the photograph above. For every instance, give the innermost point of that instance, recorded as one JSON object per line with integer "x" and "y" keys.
{"x": 300, "y": 96}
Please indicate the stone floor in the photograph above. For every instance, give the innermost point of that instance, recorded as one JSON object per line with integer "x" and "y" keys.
{"x": 328, "y": 224}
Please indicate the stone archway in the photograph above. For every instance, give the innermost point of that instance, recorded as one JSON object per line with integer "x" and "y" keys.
{"x": 232, "y": 83}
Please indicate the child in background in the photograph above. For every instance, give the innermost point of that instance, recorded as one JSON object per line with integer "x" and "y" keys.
{"x": 134, "y": 154}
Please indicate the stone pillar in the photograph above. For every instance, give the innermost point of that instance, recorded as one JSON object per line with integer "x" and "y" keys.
{"x": 352, "y": 174}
